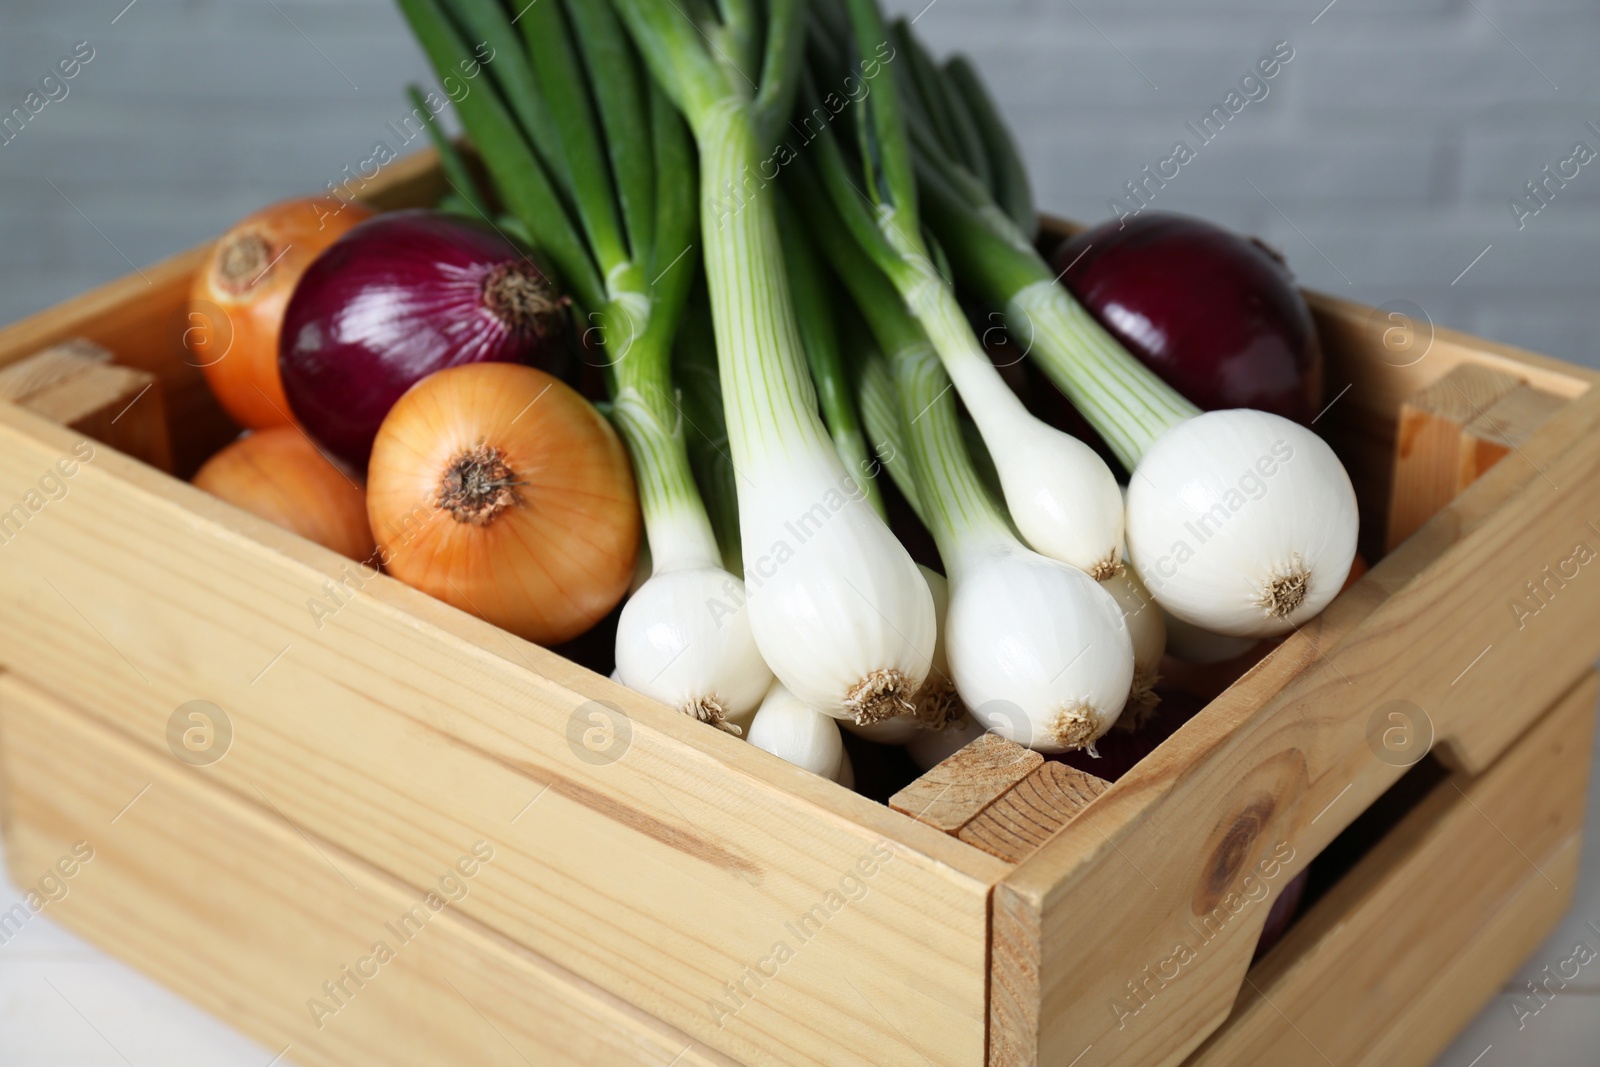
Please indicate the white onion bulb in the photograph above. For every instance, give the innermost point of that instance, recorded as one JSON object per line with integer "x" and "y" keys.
{"x": 1242, "y": 522}
{"x": 1061, "y": 494}
{"x": 789, "y": 728}
{"x": 1039, "y": 650}
{"x": 839, "y": 610}
{"x": 684, "y": 638}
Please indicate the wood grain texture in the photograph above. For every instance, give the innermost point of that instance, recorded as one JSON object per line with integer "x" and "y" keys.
{"x": 399, "y": 725}
{"x": 1028, "y": 814}
{"x": 1502, "y": 428}
{"x": 1428, "y": 459}
{"x": 1284, "y": 756}
{"x": 667, "y": 871}
{"x": 229, "y": 905}
{"x": 1396, "y": 944}
{"x": 77, "y": 385}
{"x": 53, "y": 365}
{"x": 952, "y": 793}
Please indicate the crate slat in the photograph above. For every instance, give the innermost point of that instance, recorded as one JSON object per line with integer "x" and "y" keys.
{"x": 1478, "y": 856}
{"x": 953, "y": 793}
{"x": 1030, "y": 813}
{"x": 77, "y": 385}
{"x": 400, "y": 725}
{"x": 227, "y": 904}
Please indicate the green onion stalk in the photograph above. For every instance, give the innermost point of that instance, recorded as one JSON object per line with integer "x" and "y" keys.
{"x": 1060, "y": 493}
{"x": 839, "y": 610}
{"x": 596, "y": 164}
{"x": 1036, "y": 648}
{"x": 1225, "y": 559}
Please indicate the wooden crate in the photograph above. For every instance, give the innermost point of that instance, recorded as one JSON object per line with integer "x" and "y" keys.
{"x": 762, "y": 913}
{"x": 227, "y": 903}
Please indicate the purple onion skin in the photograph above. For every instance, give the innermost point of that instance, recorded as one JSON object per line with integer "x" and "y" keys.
{"x": 399, "y": 297}
{"x": 1215, "y": 315}
{"x": 1283, "y": 914}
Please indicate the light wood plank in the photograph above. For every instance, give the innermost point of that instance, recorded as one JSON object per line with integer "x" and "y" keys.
{"x": 77, "y": 385}
{"x": 1446, "y": 1006}
{"x": 141, "y": 318}
{"x": 227, "y": 904}
{"x": 399, "y": 725}
{"x": 24, "y": 378}
{"x": 1475, "y": 857}
{"x": 1428, "y": 467}
{"x": 952, "y": 793}
{"x": 1284, "y": 756}
{"x": 1029, "y": 814}
{"x": 1503, "y": 428}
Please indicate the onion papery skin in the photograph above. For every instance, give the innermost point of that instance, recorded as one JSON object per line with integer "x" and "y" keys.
{"x": 788, "y": 727}
{"x": 822, "y": 574}
{"x": 277, "y": 474}
{"x": 938, "y": 703}
{"x": 396, "y": 299}
{"x": 550, "y": 564}
{"x": 249, "y": 277}
{"x": 1039, "y": 650}
{"x": 1228, "y": 510}
{"x": 1213, "y": 314}
{"x": 684, "y": 638}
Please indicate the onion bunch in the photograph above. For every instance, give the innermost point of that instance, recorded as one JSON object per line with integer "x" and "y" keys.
{"x": 832, "y": 344}
{"x": 1238, "y": 521}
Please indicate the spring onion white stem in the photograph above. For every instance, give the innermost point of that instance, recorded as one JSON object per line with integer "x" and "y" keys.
{"x": 1038, "y": 649}
{"x": 837, "y": 607}
{"x": 621, "y": 237}
{"x": 1237, "y": 521}
{"x": 789, "y": 728}
{"x": 1060, "y": 493}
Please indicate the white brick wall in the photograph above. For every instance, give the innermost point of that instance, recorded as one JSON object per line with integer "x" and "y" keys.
{"x": 1392, "y": 140}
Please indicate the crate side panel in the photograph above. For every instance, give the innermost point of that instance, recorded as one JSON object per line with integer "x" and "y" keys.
{"x": 227, "y": 904}
{"x": 702, "y": 880}
{"x": 1290, "y": 754}
{"x": 1421, "y": 901}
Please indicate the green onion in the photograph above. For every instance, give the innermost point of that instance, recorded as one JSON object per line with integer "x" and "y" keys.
{"x": 1060, "y": 493}
{"x": 837, "y": 606}
{"x": 622, "y": 234}
{"x": 1212, "y": 557}
{"x": 1037, "y": 649}
{"x": 819, "y": 335}
{"x": 451, "y": 163}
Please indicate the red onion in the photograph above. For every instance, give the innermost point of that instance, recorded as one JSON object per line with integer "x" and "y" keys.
{"x": 1217, "y": 316}
{"x": 1283, "y": 914}
{"x": 397, "y": 298}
